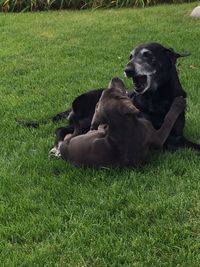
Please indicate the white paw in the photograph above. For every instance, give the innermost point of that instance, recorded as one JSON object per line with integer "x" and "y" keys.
{"x": 54, "y": 152}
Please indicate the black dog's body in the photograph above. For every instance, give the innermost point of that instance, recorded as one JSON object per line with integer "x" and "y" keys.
{"x": 80, "y": 116}
{"x": 152, "y": 68}
{"x": 154, "y": 98}
{"x": 118, "y": 136}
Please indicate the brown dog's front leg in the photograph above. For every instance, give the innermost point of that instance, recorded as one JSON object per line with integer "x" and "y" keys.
{"x": 97, "y": 119}
{"x": 161, "y": 135}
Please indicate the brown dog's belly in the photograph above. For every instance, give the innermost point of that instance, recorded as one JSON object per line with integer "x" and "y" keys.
{"x": 99, "y": 152}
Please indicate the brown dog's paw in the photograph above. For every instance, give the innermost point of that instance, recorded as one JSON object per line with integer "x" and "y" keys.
{"x": 179, "y": 103}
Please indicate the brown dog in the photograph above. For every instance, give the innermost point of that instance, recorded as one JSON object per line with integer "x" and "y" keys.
{"x": 119, "y": 136}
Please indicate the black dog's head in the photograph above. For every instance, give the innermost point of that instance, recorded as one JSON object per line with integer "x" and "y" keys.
{"x": 150, "y": 66}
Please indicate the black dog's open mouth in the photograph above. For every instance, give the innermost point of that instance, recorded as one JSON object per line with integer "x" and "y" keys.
{"x": 140, "y": 82}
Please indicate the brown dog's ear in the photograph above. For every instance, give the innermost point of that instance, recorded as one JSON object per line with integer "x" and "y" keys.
{"x": 128, "y": 108}
{"x": 117, "y": 84}
{"x": 174, "y": 55}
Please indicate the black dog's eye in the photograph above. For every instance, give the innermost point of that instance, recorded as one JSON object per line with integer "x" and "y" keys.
{"x": 146, "y": 54}
{"x": 130, "y": 57}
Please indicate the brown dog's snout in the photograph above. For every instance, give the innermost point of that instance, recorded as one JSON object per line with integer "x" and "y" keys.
{"x": 116, "y": 80}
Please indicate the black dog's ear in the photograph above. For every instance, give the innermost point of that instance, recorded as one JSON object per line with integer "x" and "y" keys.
{"x": 174, "y": 55}
{"x": 117, "y": 84}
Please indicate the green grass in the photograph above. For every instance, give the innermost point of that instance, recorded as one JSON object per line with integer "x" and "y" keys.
{"x": 53, "y": 214}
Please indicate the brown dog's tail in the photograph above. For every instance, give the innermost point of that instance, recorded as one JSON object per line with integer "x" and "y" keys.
{"x": 56, "y": 118}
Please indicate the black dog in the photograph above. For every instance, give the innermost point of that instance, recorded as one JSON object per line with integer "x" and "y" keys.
{"x": 153, "y": 70}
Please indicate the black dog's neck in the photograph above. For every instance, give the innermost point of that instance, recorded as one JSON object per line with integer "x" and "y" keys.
{"x": 175, "y": 83}
{"x": 160, "y": 100}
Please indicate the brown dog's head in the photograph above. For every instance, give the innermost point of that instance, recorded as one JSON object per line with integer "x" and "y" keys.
{"x": 113, "y": 102}
{"x": 117, "y": 93}
{"x": 117, "y": 85}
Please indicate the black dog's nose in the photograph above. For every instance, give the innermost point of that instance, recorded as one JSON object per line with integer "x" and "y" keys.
{"x": 129, "y": 71}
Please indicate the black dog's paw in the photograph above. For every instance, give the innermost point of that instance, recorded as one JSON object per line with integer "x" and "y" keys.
{"x": 179, "y": 103}
{"x": 54, "y": 152}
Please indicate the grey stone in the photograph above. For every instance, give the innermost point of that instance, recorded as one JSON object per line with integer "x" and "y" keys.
{"x": 196, "y": 12}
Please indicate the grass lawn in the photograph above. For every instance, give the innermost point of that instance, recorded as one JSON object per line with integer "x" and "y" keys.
{"x": 53, "y": 214}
